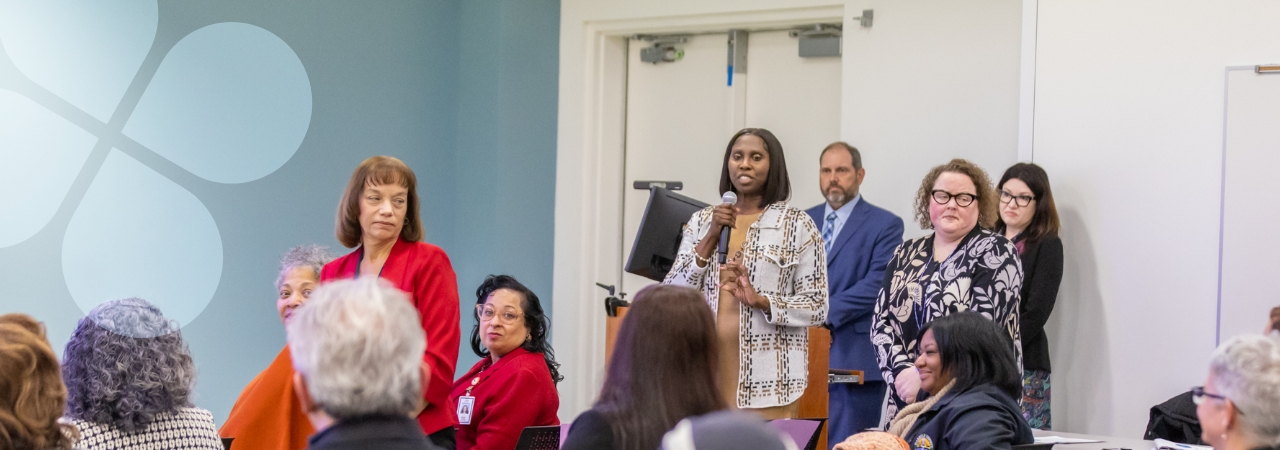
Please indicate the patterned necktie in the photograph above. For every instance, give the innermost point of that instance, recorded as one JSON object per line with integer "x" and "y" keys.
{"x": 828, "y": 229}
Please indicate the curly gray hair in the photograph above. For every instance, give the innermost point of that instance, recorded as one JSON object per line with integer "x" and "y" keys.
{"x": 359, "y": 345}
{"x": 1246, "y": 369}
{"x": 126, "y": 363}
{"x": 310, "y": 255}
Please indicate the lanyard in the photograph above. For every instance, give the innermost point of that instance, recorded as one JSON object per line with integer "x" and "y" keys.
{"x": 476, "y": 380}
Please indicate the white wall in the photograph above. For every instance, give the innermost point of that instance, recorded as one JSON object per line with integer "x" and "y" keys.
{"x": 929, "y": 81}
{"x": 1128, "y": 123}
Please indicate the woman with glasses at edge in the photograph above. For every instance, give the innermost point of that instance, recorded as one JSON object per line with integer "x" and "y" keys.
{"x": 962, "y": 266}
{"x": 1029, "y": 218}
{"x": 1239, "y": 404}
{"x": 513, "y": 386}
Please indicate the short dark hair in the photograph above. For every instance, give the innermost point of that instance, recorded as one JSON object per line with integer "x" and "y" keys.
{"x": 377, "y": 170}
{"x": 663, "y": 367}
{"x": 853, "y": 152}
{"x": 777, "y": 185}
{"x": 1044, "y": 223}
{"x": 534, "y": 318}
{"x": 976, "y": 351}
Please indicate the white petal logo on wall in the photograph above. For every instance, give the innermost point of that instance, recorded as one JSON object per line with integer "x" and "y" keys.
{"x": 86, "y": 52}
{"x": 137, "y": 234}
{"x": 229, "y": 103}
{"x": 40, "y": 155}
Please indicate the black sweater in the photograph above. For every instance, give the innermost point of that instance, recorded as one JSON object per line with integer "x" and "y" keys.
{"x": 1041, "y": 275}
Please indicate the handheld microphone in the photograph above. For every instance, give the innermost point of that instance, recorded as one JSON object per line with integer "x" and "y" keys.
{"x": 728, "y": 198}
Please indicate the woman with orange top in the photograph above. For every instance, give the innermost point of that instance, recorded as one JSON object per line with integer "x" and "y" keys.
{"x": 267, "y": 415}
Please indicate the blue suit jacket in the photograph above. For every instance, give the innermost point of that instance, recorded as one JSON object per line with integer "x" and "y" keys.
{"x": 855, "y": 269}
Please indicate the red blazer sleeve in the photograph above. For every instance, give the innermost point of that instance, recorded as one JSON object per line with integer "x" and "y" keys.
{"x": 436, "y": 298}
{"x": 522, "y": 402}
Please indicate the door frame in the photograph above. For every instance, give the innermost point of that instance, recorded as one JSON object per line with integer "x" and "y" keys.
{"x": 590, "y": 180}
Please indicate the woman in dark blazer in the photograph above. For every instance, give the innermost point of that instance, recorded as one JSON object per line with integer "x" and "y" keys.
{"x": 1029, "y": 218}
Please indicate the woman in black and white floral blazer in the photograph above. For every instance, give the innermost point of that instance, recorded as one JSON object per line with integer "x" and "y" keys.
{"x": 771, "y": 289}
{"x": 961, "y": 266}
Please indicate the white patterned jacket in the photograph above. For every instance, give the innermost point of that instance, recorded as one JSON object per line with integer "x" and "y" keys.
{"x": 787, "y": 264}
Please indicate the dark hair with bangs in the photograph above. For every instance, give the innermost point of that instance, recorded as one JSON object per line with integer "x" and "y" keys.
{"x": 534, "y": 318}
{"x": 663, "y": 366}
{"x": 777, "y": 185}
{"x": 976, "y": 351}
{"x": 1044, "y": 223}
{"x": 377, "y": 170}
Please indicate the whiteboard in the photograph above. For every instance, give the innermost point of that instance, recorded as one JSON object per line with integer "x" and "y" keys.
{"x": 1249, "y": 265}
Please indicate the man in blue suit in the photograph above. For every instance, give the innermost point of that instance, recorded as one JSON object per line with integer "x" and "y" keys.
{"x": 860, "y": 239}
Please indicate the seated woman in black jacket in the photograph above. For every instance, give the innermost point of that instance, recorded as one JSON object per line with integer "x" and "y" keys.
{"x": 967, "y": 366}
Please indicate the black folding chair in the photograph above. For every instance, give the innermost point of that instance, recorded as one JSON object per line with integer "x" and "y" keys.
{"x": 539, "y": 438}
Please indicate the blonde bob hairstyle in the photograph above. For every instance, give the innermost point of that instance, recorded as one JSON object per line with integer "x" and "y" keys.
{"x": 988, "y": 201}
{"x": 377, "y": 171}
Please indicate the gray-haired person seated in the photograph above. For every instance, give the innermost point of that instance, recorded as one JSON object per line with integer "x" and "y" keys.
{"x": 1239, "y": 404}
{"x": 357, "y": 349}
{"x": 129, "y": 377}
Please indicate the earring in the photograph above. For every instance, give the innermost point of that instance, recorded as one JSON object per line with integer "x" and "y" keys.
{"x": 528, "y": 337}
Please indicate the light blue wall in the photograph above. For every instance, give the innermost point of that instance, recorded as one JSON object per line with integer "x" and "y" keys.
{"x": 141, "y": 157}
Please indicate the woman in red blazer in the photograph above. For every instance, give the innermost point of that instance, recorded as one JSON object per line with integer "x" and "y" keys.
{"x": 379, "y": 214}
{"x": 513, "y": 385}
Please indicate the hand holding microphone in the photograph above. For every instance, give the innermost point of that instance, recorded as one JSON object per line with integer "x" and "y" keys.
{"x": 729, "y": 199}
{"x": 723, "y": 218}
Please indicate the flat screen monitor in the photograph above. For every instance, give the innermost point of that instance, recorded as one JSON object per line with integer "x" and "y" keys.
{"x": 658, "y": 239}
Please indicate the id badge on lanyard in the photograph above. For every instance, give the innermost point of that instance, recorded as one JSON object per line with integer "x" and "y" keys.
{"x": 466, "y": 405}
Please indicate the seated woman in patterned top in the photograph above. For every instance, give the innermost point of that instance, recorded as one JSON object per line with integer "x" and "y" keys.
{"x": 129, "y": 377}
{"x": 962, "y": 266}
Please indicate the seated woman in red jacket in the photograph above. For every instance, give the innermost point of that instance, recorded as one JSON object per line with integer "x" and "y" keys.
{"x": 513, "y": 385}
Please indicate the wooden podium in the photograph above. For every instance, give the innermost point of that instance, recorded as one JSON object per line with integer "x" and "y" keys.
{"x": 813, "y": 403}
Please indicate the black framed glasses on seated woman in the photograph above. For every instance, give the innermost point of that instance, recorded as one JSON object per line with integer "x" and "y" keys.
{"x": 1198, "y": 394}
{"x": 941, "y": 197}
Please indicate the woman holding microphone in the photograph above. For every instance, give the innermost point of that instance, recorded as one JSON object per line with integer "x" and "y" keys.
{"x": 772, "y": 287}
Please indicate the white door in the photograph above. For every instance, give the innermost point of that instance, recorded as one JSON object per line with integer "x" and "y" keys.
{"x": 680, "y": 117}
{"x": 1249, "y": 243}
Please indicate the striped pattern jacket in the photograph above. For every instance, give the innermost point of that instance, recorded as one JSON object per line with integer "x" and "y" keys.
{"x": 787, "y": 264}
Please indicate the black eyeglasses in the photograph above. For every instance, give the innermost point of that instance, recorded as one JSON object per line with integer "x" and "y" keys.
{"x": 1198, "y": 394}
{"x": 941, "y": 197}
{"x": 1020, "y": 200}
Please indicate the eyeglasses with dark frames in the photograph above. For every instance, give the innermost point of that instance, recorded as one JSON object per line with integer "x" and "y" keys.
{"x": 1020, "y": 200}
{"x": 1198, "y": 394}
{"x": 941, "y": 197}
